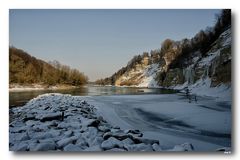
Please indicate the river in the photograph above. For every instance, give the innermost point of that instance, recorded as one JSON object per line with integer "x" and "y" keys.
{"x": 19, "y": 98}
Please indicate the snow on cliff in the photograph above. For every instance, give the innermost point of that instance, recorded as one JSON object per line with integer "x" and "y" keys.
{"x": 149, "y": 77}
{"x": 141, "y": 76}
{"x": 203, "y": 86}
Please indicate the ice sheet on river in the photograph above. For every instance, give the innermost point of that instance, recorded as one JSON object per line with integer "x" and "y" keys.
{"x": 171, "y": 118}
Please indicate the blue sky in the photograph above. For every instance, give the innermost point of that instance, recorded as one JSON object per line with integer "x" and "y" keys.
{"x": 99, "y": 42}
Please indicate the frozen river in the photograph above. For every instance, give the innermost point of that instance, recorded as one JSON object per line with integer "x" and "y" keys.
{"x": 172, "y": 118}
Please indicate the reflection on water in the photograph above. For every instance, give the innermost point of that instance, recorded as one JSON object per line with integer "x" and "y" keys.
{"x": 19, "y": 98}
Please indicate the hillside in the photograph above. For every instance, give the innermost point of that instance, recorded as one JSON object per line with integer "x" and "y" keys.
{"x": 26, "y": 69}
{"x": 204, "y": 60}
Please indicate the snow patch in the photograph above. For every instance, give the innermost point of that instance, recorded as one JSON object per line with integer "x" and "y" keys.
{"x": 149, "y": 77}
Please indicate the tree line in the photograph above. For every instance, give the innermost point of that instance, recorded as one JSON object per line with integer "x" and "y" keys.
{"x": 203, "y": 40}
{"x": 26, "y": 69}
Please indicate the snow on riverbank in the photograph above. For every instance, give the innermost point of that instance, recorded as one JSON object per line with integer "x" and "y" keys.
{"x": 16, "y": 87}
{"x": 203, "y": 88}
{"x": 56, "y": 122}
{"x": 37, "y": 87}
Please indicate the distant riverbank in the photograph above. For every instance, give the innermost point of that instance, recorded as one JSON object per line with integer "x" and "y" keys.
{"x": 32, "y": 87}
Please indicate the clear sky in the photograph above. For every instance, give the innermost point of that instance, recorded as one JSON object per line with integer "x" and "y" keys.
{"x": 100, "y": 42}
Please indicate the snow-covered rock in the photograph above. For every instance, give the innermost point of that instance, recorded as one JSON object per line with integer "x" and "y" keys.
{"x": 72, "y": 148}
{"x": 50, "y": 117}
{"x": 156, "y": 147}
{"x": 111, "y": 143}
{"x": 116, "y": 150}
{"x": 44, "y": 147}
{"x": 127, "y": 141}
{"x": 91, "y": 122}
{"x": 66, "y": 141}
{"x": 41, "y": 135}
{"x": 19, "y": 147}
{"x": 139, "y": 147}
{"x": 94, "y": 148}
{"x": 19, "y": 136}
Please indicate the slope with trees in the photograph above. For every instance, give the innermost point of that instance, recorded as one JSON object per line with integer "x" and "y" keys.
{"x": 26, "y": 69}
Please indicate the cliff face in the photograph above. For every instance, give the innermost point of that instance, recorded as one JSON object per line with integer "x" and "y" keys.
{"x": 141, "y": 75}
{"x": 215, "y": 64}
{"x": 172, "y": 70}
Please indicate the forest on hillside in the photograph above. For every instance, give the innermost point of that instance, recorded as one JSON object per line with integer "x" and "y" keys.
{"x": 26, "y": 69}
{"x": 177, "y": 52}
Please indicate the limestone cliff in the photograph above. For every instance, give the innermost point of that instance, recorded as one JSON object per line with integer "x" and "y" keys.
{"x": 215, "y": 64}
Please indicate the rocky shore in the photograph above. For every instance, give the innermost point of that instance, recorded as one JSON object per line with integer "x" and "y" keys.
{"x": 56, "y": 122}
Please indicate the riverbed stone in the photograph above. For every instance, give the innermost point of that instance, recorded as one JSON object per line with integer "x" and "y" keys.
{"x": 111, "y": 143}
{"x": 138, "y": 147}
{"x": 66, "y": 141}
{"x": 72, "y": 148}
{"x": 44, "y": 146}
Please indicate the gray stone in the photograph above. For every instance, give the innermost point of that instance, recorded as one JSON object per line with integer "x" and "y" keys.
{"x": 139, "y": 147}
{"x": 119, "y": 135}
{"x": 127, "y": 141}
{"x": 91, "y": 122}
{"x": 103, "y": 128}
{"x": 19, "y": 147}
{"x": 44, "y": 147}
{"x": 18, "y": 129}
{"x": 156, "y": 147}
{"x": 72, "y": 148}
{"x": 144, "y": 140}
{"x": 41, "y": 135}
{"x": 95, "y": 148}
{"x": 51, "y": 116}
{"x": 96, "y": 141}
{"x": 20, "y": 136}
{"x": 111, "y": 143}
{"x": 82, "y": 142}
{"x": 28, "y": 117}
{"x": 68, "y": 134}
{"x": 66, "y": 141}
{"x": 116, "y": 150}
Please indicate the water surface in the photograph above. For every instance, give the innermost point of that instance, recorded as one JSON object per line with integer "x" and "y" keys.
{"x": 19, "y": 98}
